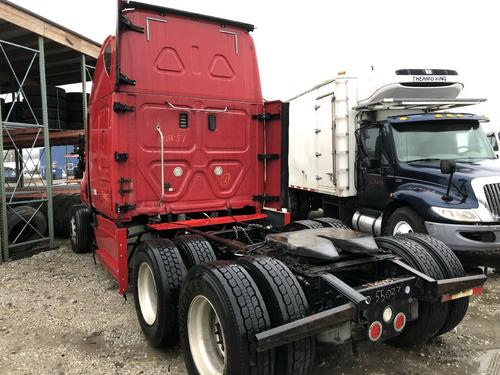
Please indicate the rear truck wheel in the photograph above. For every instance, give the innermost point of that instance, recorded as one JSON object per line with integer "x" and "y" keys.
{"x": 329, "y": 222}
{"x": 81, "y": 233}
{"x": 78, "y": 173}
{"x": 194, "y": 249}
{"x": 451, "y": 267}
{"x": 60, "y": 203}
{"x": 158, "y": 271}
{"x": 404, "y": 220}
{"x": 302, "y": 224}
{"x": 62, "y": 214}
{"x": 286, "y": 302}
{"x": 220, "y": 311}
{"x": 19, "y": 231}
{"x": 431, "y": 316}
{"x": 299, "y": 205}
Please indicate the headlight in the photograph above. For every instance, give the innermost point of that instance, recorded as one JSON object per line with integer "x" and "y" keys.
{"x": 456, "y": 214}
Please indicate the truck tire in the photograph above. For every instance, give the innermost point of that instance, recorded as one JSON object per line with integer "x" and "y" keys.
{"x": 329, "y": 222}
{"x": 61, "y": 204}
{"x": 158, "y": 272}
{"x": 75, "y": 116}
{"x": 78, "y": 173}
{"x": 74, "y": 125}
{"x": 49, "y": 90}
{"x": 53, "y": 113}
{"x": 81, "y": 233}
{"x": 451, "y": 267}
{"x": 286, "y": 302}
{"x": 194, "y": 250}
{"x": 52, "y": 101}
{"x": 16, "y": 221}
{"x": 75, "y": 101}
{"x": 62, "y": 213}
{"x": 431, "y": 316}
{"x": 220, "y": 311}
{"x": 404, "y": 220}
{"x": 301, "y": 225}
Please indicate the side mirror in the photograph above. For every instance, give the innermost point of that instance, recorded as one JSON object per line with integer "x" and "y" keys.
{"x": 448, "y": 166}
{"x": 495, "y": 148}
{"x": 365, "y": 162}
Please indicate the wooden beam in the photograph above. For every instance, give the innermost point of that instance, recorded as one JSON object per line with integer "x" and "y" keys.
{"x": 29, "y": 21}
{"x": 24, "y": 138}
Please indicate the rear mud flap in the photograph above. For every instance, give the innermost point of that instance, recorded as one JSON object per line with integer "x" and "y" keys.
{"x": 112, "y": 250}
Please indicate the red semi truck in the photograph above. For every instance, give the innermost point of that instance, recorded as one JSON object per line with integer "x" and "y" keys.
{"x": 184, "y": 202}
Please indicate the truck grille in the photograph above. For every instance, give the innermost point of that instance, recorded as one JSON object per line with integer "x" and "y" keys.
{"x": 492, "y": 192}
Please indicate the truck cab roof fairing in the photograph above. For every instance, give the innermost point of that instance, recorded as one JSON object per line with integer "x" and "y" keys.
{"x": 195, "y": 16}
{"x": 174, "y": 45}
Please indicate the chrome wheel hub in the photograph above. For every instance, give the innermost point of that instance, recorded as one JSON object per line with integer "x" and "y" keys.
{"x": 402, "y": 227}
{"x": 206, "y": 337}
{"x": 146, "y": 291}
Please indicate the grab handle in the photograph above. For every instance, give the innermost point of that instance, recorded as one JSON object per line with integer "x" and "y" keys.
{"x": 158, "y": 129}
{"x": 197, "y": 109}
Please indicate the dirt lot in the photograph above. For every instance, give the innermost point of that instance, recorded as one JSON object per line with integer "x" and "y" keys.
{"x": 60, "y": 314}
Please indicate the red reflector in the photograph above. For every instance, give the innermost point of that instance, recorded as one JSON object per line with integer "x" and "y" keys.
{"x": 399, "y": 322}
{"x": 477, "y": 291}
{"x": 375, "y": 331}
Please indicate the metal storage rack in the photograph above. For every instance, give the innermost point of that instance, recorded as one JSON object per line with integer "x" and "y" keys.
{"x": 34, "y": 50}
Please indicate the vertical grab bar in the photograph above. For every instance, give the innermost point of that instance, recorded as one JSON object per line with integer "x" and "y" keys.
{"x": 158, "y": 129}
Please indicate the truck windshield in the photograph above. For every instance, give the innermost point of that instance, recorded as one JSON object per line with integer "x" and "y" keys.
{"x": 435, "y": 140}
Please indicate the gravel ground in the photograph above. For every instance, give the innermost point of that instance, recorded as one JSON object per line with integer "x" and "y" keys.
{"x": 61, "y": 314}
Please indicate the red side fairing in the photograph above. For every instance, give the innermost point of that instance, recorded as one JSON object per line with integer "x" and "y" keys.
{"x": 97, "y": 180}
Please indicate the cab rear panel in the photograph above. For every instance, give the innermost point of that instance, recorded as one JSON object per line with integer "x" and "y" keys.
{"x": 196, "y": 96}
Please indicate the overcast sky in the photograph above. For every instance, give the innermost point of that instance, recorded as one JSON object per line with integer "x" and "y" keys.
{"x": 300, "y": 44}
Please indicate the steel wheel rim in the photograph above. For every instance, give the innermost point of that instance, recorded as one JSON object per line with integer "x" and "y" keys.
{"x": 146, "y": 290}
{"x": 402, "y": 227}
{"x": 73, "y": 229}
{"x": 206, "y": 337}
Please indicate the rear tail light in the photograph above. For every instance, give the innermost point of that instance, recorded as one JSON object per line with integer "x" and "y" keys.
{"x": 375, "y": 331}
{"x": 477, "y": 291}
{"x": 399, "y": 322}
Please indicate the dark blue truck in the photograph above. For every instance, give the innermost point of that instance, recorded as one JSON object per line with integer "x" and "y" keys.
{"x": 410, "y": 163}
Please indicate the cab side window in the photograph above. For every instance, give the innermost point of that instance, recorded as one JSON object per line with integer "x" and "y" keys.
{"x": 374, "y": 146}
{"x": 108, "y": 53}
